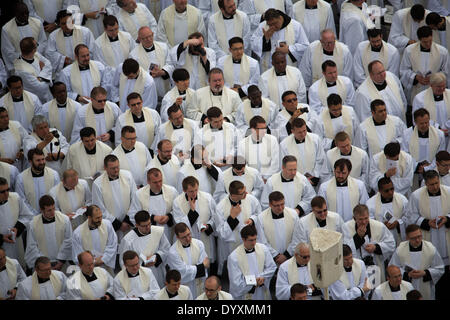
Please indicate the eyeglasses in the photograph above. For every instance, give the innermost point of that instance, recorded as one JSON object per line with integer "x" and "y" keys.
{"x": 305, "y": 257}
{"x": 3, "y": 191}
{"x": 211, "y": 290}
{"x": 100, "y": 101}
{"x": 292, "y": 100}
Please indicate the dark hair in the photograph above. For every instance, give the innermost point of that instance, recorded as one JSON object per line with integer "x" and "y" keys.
{"x": 13, "y": 79}
{"x": 341, "y": 163}
{"x": 41, "y": 260}
{"x": 196, "y": 35}
{"x": 298, "y": 123}
{"x": 334, "y": 100}
{"x": 424, "y": 32}
{"x": 129, "y": 255}
{"x": 392, "y": 149}
{"x": 87, "y": 132}
{"x": 328, "y": 63}
{"x": 46, "y": 201}
{"x": 98, "y": 90}
{"x": 62, "y": 14}
{"x": 79, "y": 47}
{"x": 272, "y": 13}
{"x": 371, "y": 64}
{"x": 255, "y": 120}
{"x": 375, "y": 103}
{"x": 383, "y": 181}
{"x": 433, "y": 18}
{"x": 430, "y": 174}
{"x": 417, "y": 12}
{"x": 374, "y": 32}
{"x": 133, "y": 95}
{"x": 109, "y": 20}
{"x": 180, "y": 228}
{"x": 442, "y": 155}
{"x": 189, "y": 181}
{"x": 234, "y": 187}
{"x": 297, "y": 288}
{"x": 248, "y": 231}
{"x": 238, "y": 162}
{"x": 173, "y": 109}
{"x": 3, "y": 181}
{"x": 155, "y": 172}
{"x": 422, "y": 112}
{"x": 27, "y": 45}
{"x": 287, "y": 93}
{"x": 213, "y": 112}
{"x": 235, "y": 40}
{"x": 130, "y": 66}
{"x": 90, "y": 210}
{"x": 160, "y": 143}
{"x": 141, "y": 216}
{"x": 253, "y": 88}
{"x": 288, "y": 158}
{"x": 110, "y": 158}
{"x": 275, "y": 196}
{"x": 346, "y": 250}
{"x": 180, "y": 74}
{"x": 413, "y": 295}
{"x": 174, "y": 275}
{"x": 127, "y": 129}
{"x": 411, "y": 228}
{"x": 56, "y": 84}
{"x": 318, "y": 202}
{"x": 33, "y": 152}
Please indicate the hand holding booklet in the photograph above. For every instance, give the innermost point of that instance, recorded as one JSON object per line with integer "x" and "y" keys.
{"x": 144, "y": 258}
{"x": 250, "y": 280}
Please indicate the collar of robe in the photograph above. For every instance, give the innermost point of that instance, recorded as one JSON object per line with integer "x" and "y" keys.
{"x": 328, "y": 53}
{"x": 92, "y": 151}
{"x": 187, "y": 199}
{"x": 61, "y": 105}
{"x": 283, "y": 179}
{"x": 322, "y": 223}
{"x": 20, "y": 99}
{"x": 422, "y": 49}
{"x": 187, "y": 246}
{"x": 196, "y": 166}
{"x": 310, "y": 7}
{"x": 330, "y": 84}
{"x": 412, "y": 249}
{"x": 332, "y": 116}
{"x": 376, "y": 49}
{"x": 47, "y": 221}
{"x": 216, "y": 129}
{"x": 139, "y": 234}
{"x": 424, "y": 134}
{"x": 181, "y": 92}
{"x": 349, "y": 269}
{"x": 37, "y": 175}
{"x": 161, "y": 161}
{"x": 237, "y": 61}
{"x": 3, "y": 202}
{"x": 227, "y": 18}
{"x": 90, "y": 278}
{"x": 380, "y": 86}
{"x": 299, "y": 141}
{"x": 125, "y": 150}
{"x": 21, "y": 24}
{"x": 7, "y": 128}
{"x": 437, "y": 194}
{"x": 175, "y": 128}
{"x": 216, "y": 93}
{"x": 42, "y": 280}
{"x": 249, "y": 250}
{"x": 300, "y": 265}
{"x": 98, "y": 111}
{"x": 132, "y": 275}
{"x": 67, "y": 189}
{"x": 113, "y": 39}
{"x": 280, "y": 74}
{"x": 27, "y": 60}
{"x": 92, "y": 228}
{"x": 385, "y": 200}
{"x": 396, "y": 289}
{"x": 216, "y": 298}
{"x": 171, "y": 295}
{"x": 152, "y": 48}
{"x": 83, "y": 68}
{"x": 156, "y": 194}
{"x": 277, "y": 216}
{"x": 3, "y": 268}
{"x": 256, "y": 142}
{"x": 347, "y": 155}
{"x": 438, "y": 97}
{"x": 382, "y": 123}
{"x": 342, "y": 184}
{"x": 233, "y": 203}
{"x": 256, "y": 106}
{"x": 113, "y": 179}
{"x": 68, "y": 34}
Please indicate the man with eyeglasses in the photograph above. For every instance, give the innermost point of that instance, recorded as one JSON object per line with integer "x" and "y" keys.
{"x": 188, "y": 256}
{"x": 213, "y": 290}
{"x": 296, "y": 270}
{"x": 11, "y": 273}
{"x": 166, "y": 162}
{"x": 443, "y": 167}
{"x": 327, "y": 48}
{"x": 99, "y": 114}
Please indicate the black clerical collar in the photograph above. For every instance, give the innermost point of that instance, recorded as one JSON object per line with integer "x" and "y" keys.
{"x": 113, "y": 39}
{"x": 343, "y": 184}
{"x": 332, "y": 116}
{"x": 216, "y": 93}
{"x": 237, "y": 61}
{"x": 187, "y": 199}
{"x": 152, "y": 48}
{"x": 161, "y": 161}
{"x": 113, "y": 179}
{"x": 249, "y": 250}
{"x": 412, "y": 249}
{"x": 328, "y": 53}
{"x": 438, "y": 98}
{"x": 7, "y": 128}
{"x": 125, "y": 150}
{"x": 3, "y": 202}
{"x": 175, "y": 128}
{"x": 98, "y": 111}
{"x": 41, "y": 280}
{"x": 227, "y": 18}
{"x": 68, "y": 34}
{"x": 437, "y": 194}
{"x": 285, "y": 180}
{"x": 280, "y": 74}
{"x": 376, "y": 49}
{"x": 322, "y": 223}
{"x": 300, "y": 265}
{"x": 17, "y": 99}
{"x": 27, "y": 60}
{"x": 216, "y": 298}
{"x": 277, "y": 216}
{"x": 94, "y": 149}
{"x": 380, "y": 86}
{"x": 385, "y": 200}
{"x": 234, "y": 203}
{"x": 92, "y": 228}
{"x": 21, "y": 24}
{"x": 256, "y": 106}
{"x": 61, "y": 105}
{"x": 171, "y": 295}
{"x": 217, "y": 129}
{"x": 181, "y": 93}
{"x": 82, "y": 68}
{"x": 89, "y": 278}
{"x": 196, "y": 165}
{"x": 234, "y": 173}
{"x": 298, "y": 141}
{"x": 330, "y": 84}
{"x": 422, "y": 49}
{"x": 310, "y": 7}
{"x": 37, "y": 175}
{"x": 67, "y": 189}
{"x": 3, "y": 268}
{"x": 186, "y": 246}
{"x": 138, "y": 233}
{"x": 132, "y": 276}
{"x": 394, "y": 289}
{"x": 156, "y": 194}
{"x": 349, "y": 269}
{"x": 346, "y": 155}
{"x": 256, "y": 142}
{"x": 47, "y": 221}
{"x": 382, "y": 123}
{"x": 423, "y": 135}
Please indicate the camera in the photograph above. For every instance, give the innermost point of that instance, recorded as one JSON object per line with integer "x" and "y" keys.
{"x": 200, "y": 50}
{"x": 56, "y": 135}
{"x": 368, "y": 261}
{"x": 303, "y": 110}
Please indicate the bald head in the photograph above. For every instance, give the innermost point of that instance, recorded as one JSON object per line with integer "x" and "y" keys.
{"x": 145, "y": 37}
{"x": 392, "y": 270}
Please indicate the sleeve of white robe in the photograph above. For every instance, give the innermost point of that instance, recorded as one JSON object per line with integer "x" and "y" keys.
{"x": 362, "y": 105}
{"x": 9, "y": 52}
{"x": 52, "y": 53}
{"x": 178, "y": 215}
{"x": 20, "y": 189}
{"x": 301, "y": 89}
{"x": 259, "y": 224}
{"x": 396, "y": 36}
{"x": 25, "y": 214}
{"x": 386, "y": 243}
{"x": 150, "y": 96}
{"x": 220, "y": 191}
{"x": 153, "y": 287}
{"x": 118, "y": 290}
{"x": 282, "y": 286}
{"x": 305, "y": 67}
{"x": 298, "y": 236}
{"x": 188, "y": 272}
{"x": 307, "y": 195}
{"x": 109, "y": 254}
{"x": 407, "y": 74}
{"x": 32, "y": 251}
{"x": 339, "y": 292}
{"x": 213, "y": 42}
{"x": 97, "y": 199}
{"x": 352, "y": 32}
{"x": 248, "y": 7}
{"x": 65, "y": 250}
{"x": 403, "y": 184}
{"x": 258, "y": 186}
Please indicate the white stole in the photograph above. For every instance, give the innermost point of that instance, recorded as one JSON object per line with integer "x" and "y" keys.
{"x": 309, "y": 156}
{"x": 12, "y": 30}
{"x": 401, "y": 163}
{"x": 353, "y": 192}
{"x": 107, "y": 49}
{"x": 148, "y": 120}
{"x": 126, "y": 283}
{"x": 338, "y": 57}
{"x": 35, "y": 291}
{"x": 383, "y": 56}
{"x": 138, "y": 85}
{"x": 86, "y": 236}
{"x": 322, "y": 90}
{"x": 90, "y": 117}
{"x": 293, "y": 271}
{"x": 356, "y": 159}
{"x": 85, "y": 288}
{"x": 244, "y": 73}
{"x": 77, "y": 38}
{"x": 28, "y": 183}
{"x": 186, "y": 126}
{"x": 243, "y": 262}
{"x": 28, "y": 105}
{"x": 169, "y": 21}
{"x": 39, "y": 231}
{"x": 261, "y": 6}
{"x": 269, "y": 226}
{"x": 195, "y": 254}
{"x": 375, "y": 94}
{"x": 109, "y": 196}
{"x": 328, "y": 124}
{"x": 312, "y": 222}
{"x": 228, "y": 178}
{"x": 64, "y": 200}
{"x": 221, "y": 33}
{"x": 39, "y": 6}
{"x": 274, "y": 93}
{"x": 11, "y": 271}
{"x": 125, "y": 164}
{"x": 386, "y": 292}
{"x": 53, "y": 115}
{"x": 433, "y": 142}
{"x": 245, "y": 214}
{"x": 356, "y": 271}
{"x": 350, "y": 7}
{"x": 128, "y": 22}
{"x": 75, "y": 76}
{"x": 372, "y": 136}
{"x": 14, "y": 132}
{"x": 430, "y": 104}
{"x": 143, "y": 197}
{"x": 299, "y": 13}
{"x": 397, "y": 206}
{"x": 247, "y": 108}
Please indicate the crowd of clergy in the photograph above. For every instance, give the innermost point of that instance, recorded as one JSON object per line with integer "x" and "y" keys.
{"x": 159, "y": 149}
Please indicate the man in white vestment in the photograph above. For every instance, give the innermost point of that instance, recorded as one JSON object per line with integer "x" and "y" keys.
{"x": 428, "y": 208}
{"x": 45, "y": 11}
{"x": 96, "y": 235}
{"x": 379, "y": 129}
{"x": 315, "y": 16}
{"x": 249, "y": 176}
{"x": 177, "y": 22}
{"x": 420, "y": 60}
{"x": 9, "y": 172}
{"x": 319, "y": 217}
{"x": 440, "y": 25}
{"x": 49, "y": 234}
{"x": 319, "y": 51}
{"x": 153, "y": 57}
{"x": 34, "y": 69}
{"x": 250, "y": 268}
{"x": 342, "y": 192}
{"x": 130, "y": 77}
{"x": 36, "y": 181}
{"x": 150, "y": 243}
{"x": 114, "y": 45}
{"x": 213, "y": 290}
{"x": 63, "y": 41}
{"x": 353, "y": 281}
{"x": 344, "y": 149}
{"x": 19, "y": 27}
{"x": 334, "y": 119}
{"x": 227, "y": 24}
{"x": 166, "y": 162}
{"x": 11, "y": 273}
{"x": 12, "y": 134}
{"x": 22, "y": 105}
{"x": 295, "y": 187}
{"x": 240, "y": 70}
{"x": 330, "y": 83}
{"x": 384, "y": 85}
{"x": 232, "y": 214}
{"x": 133, "y": 16}
{"x": 135, "y": 282}
{"x": 85, "y": 74}
{"x": 394, "y": 288}
{"x": 442, "y": 167}
{"x": 99, "y": 114}
{"x": 44, "y": 284}
{"x": 173, "y": 289}
{"x": 354, "y": 23}
{"x": 371, "y": 241}
{"x": 61, "y": 110}
{"x": 259, "y": 148}
{"x": 188, "y": 256}
{"x": 90, "y": 282}
{"x": 14, "y": 218}
{"x": 71, "y": 195}
{"x": 181, "y": 94}
{"x": 420, "y": 262}
{"x": 50, "y": 140}
{"x": 390, "y": 208}
{"x": 281, "y": 78}
{"x": 180, "y": 131}
{"x": 392, "y": 163}
{"x": 133, "y": 155}
{"x": 198, "y": 60}
{"x": 374, "y": 49}
{"x": 296, "y": 270}
{"x": 113, "y": 192}
{"x": 284, "y": 35}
